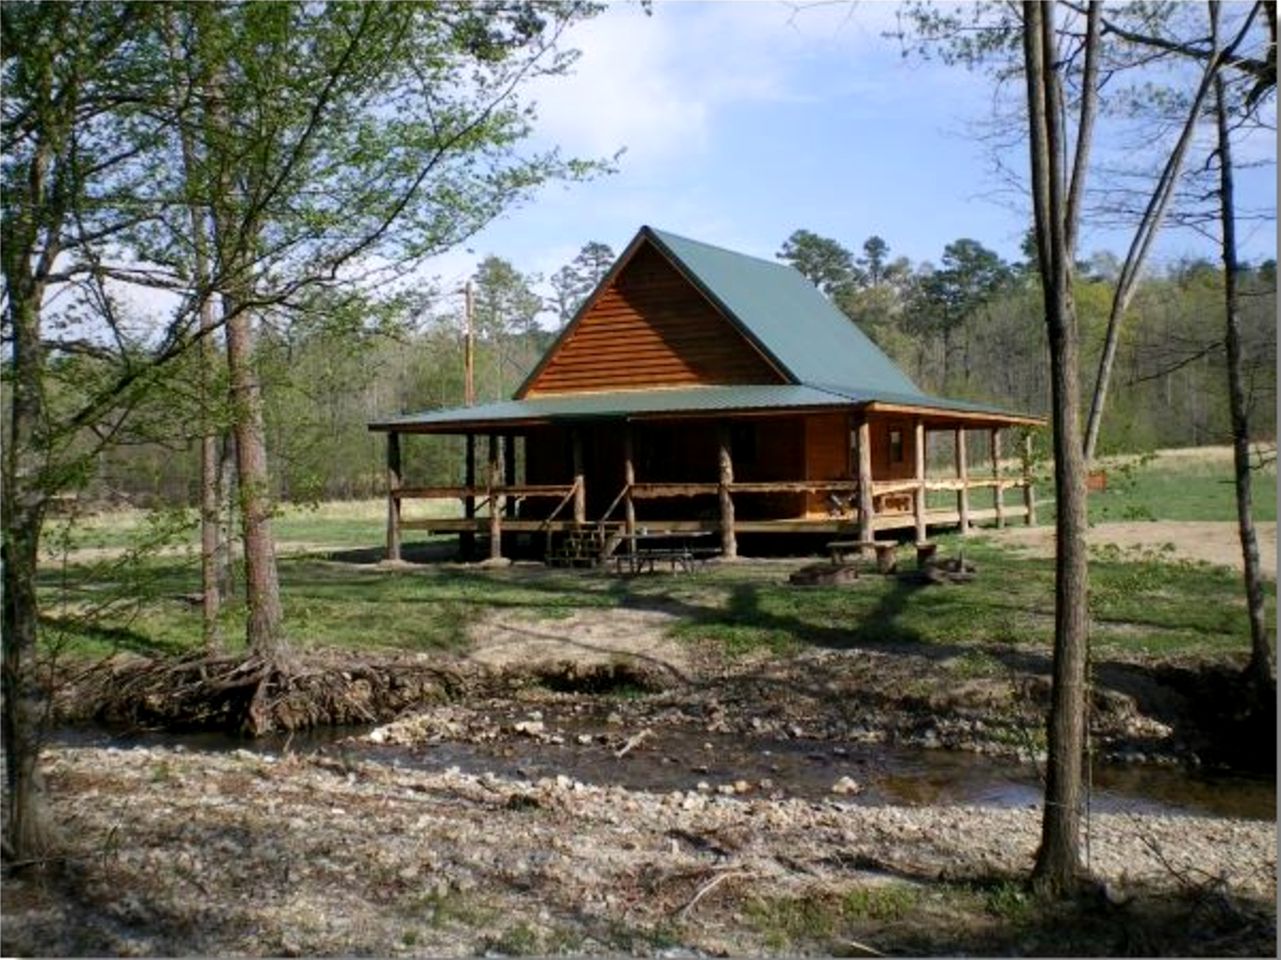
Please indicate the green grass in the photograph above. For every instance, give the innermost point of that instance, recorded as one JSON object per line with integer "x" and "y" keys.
{"x": 94, "y": 610}
{"x": 1152, "y": 605}
{"x": 1147, "y": 603}
{"x": 1172, "y": 487}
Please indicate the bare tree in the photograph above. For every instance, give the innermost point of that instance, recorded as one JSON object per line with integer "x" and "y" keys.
{"x": 1057, "y": 213}
{"x": 1261, "y": 655}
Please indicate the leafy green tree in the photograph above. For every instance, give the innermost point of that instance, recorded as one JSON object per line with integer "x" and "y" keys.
{"x": 507, "y": 311}
{"x": 821, "y": 260}
{"x": 574, "y": 282}
{"x": 873, "y": 261}
{"x": 327, "y": 146}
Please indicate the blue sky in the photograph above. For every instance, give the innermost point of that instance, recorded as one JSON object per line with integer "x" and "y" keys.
{"x": 743, "y": 121}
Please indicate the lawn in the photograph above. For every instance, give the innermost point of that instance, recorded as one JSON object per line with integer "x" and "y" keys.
{"x": 335, "y": 596}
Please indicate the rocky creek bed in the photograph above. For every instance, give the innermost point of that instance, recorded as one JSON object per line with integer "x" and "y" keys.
{"x": 563, "y": 808}
{"x": 178, "y": 852}
{"x": 826, "y": 802}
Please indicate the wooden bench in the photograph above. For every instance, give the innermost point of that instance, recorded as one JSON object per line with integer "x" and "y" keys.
{"x": 886, "y": 561}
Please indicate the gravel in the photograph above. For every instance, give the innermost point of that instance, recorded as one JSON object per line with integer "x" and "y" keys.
{"x": 239, "y": 853}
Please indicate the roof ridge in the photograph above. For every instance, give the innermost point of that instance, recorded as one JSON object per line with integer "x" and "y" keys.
{"x": 661, "y": 234}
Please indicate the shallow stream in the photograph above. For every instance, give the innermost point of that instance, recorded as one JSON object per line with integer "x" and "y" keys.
{"x": 677, "y": 758}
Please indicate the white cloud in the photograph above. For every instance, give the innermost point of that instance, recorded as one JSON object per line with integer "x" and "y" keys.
{"x": 655, "y": 84}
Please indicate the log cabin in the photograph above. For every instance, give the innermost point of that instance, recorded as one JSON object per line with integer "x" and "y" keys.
{"x": 702, "y": 390}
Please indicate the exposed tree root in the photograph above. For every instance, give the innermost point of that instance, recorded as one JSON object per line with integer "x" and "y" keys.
{"x": 255, "y": 696}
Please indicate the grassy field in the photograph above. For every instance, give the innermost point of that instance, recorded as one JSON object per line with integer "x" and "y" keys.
{"x": 336, "y": 596}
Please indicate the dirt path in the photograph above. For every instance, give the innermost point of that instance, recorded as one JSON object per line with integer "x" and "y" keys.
{"x": 1209, "y": 541}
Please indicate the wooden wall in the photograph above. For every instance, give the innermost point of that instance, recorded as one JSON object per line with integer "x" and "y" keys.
{"x": 827, "y": 455}
{"x": 884, "y": 465}
{"x": 651, "y": 328}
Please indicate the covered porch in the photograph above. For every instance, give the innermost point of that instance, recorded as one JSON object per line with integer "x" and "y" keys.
{"x": 847, "y": 471}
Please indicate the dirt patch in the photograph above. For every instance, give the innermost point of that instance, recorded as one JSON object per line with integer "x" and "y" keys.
{"x": 588, "y": 637}
{"x": 1208, "y": 541}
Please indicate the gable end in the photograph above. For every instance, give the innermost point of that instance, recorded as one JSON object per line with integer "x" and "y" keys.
{"x": 649, "y": 326}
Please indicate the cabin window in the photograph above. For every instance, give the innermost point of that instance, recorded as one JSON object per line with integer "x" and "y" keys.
{"x": 896, "y": 446}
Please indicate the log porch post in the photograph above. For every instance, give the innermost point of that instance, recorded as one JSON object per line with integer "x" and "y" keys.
{"x": 918, "y": 498}
{"x": 580, "y": 491}
{"x": 493, "y": 477}
{"x": 995, "y": 446}
{"x": 393, "y": 497}
{"x": 629, "y": 478}
{"x": 509, "y": 472}
{"x": 1029, "y": 495}
{"x": 467, "y": 540}
{"x": 866, "y": 506}
{"x": 962, "y": 474}
{"x": 725, "y": 458}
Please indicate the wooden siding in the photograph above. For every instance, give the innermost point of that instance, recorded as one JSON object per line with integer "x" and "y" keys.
{"x": 884, "y": 465}
{"x": 827, "y": 455}
{"x": 651, "y": 328}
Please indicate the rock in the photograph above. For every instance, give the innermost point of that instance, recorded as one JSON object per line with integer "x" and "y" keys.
{"x": 584, "y": 738}
{"x": 530, "y": 728}
{"x": 846, "y": 786}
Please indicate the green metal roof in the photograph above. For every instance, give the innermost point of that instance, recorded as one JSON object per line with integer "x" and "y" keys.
{"x": 639, "y": 404}
{"x": 787, "y": 317}
{"x": 829, "y": 360}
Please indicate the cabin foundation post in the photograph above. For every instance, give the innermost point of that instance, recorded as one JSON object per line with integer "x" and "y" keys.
{"x": 393, "y": 496}
{"x": 998, "y": 496}
{"x": 492, "y": 480}
{"x": 580, "y": 485}
{"x": 467, "y": 540}
{"x": 1029, "y": 495}
{"x": 866, "y": 506}
{"x": 629, "y": 478}
{"x": 729, "y": 543}
{"x": 918, "y": 498}
{"x": 962, "y": 474}
{"x": 509, "y": 473}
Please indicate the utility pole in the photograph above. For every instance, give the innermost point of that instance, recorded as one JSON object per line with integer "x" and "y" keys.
{"x": 469, "y": 348}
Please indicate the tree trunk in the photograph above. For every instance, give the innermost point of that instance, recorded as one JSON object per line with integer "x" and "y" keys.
{"x": 1058, "y": 866}
{"x": 265, "y": 634}
{"x": 28, "y": 833}
{"x": 201, "y": 281}
{"x": 1261, "y": 656}
{"x": 35, "y": 208}
{"x": 226, "y": 515}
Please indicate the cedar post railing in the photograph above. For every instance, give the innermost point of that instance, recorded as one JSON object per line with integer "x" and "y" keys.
{"x": 580, "y": 481}
{"x": 995, "y": 447}
{"x": 962, "y": 474}
{"x": 729, "y": 543}
{"x": 866, "y": 506}
{"x": 467, "y": 541}
{"x": 918, "y": 495}
{"x": 493, "y": 476}
{"x": 393, "y": 501}
{"x": 629, "y": 478}
{"x": 509, "y": 472}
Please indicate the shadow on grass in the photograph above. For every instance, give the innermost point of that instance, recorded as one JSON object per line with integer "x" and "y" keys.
{"x": 118, "y": 638}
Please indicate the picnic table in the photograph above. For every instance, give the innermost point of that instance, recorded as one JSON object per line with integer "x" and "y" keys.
{"x": 646, "y": 548}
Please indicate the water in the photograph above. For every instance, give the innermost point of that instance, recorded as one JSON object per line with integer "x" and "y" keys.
{"x": 675, "y": 758}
